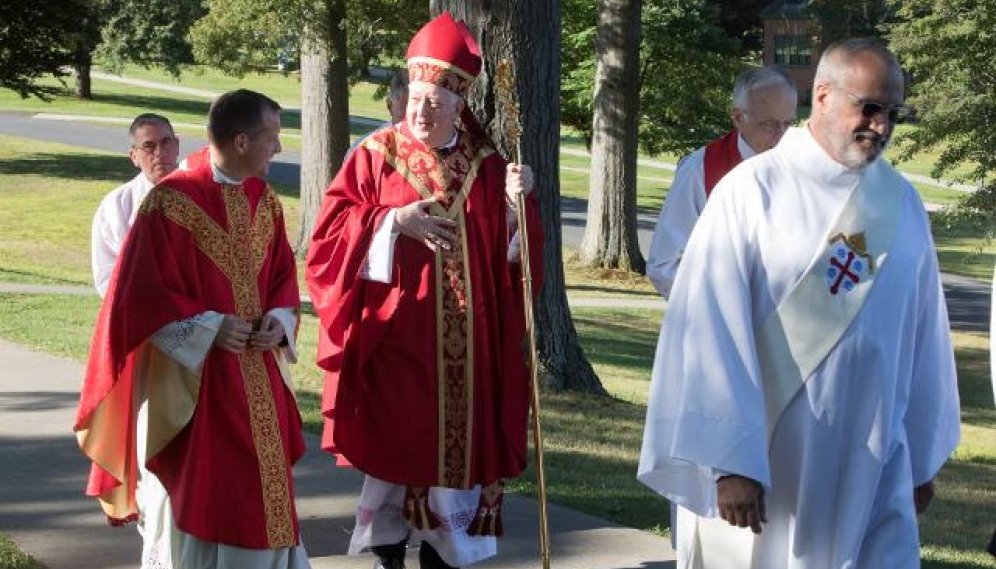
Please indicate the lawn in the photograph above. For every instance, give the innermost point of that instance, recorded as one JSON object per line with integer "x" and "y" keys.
{"x": 48, "y": 193}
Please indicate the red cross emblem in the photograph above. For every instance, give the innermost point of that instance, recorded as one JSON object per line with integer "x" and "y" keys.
{"x": 848, "y": 263}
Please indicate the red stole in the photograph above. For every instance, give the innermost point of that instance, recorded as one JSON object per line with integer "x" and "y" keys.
{"x": 721, "y": 156}
{"x": 197, "y": 245}
{"x": 426, "y": 384}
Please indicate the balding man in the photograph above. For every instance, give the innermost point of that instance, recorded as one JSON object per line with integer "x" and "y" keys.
{"x": 804, "y": 392}
{"x": 764, "y": 106}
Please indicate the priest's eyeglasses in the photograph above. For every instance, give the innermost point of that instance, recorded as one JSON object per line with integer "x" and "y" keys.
{"x": 150, "y": 147}
{"x": 775, "y": 125}
{"x": 871, "y": 109}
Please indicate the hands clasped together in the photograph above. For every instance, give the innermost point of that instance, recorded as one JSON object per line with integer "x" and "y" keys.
{"x": 436, "y": 232}
{"x": 236, "y": 335}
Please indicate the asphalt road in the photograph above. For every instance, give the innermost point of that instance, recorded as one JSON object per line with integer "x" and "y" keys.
{"x": 968, "y": 299}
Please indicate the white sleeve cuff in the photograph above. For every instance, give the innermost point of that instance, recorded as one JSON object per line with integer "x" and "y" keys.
{"x": 288, "y": 320}
{"x": 380, "y": 258}
{"x": 187, "y": 342}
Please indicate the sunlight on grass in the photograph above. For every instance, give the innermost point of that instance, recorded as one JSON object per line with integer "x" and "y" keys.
{"x": 13, "y": 558}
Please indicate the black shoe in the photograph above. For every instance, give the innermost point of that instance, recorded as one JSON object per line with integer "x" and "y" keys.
{"x": 428, "y": 558}
{"x": 390, "y": 556}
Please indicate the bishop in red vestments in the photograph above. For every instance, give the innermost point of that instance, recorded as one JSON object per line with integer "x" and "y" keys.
{"x": 414, "y": 275}
{"x": 189, "y": 357}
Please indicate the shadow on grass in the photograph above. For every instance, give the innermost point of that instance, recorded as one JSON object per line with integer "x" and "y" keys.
{"x": 167, "y": 104}
{"x": 586, "y": 469}
{"x": 613, "y": 339}
{"x": 608, "y": 289}
{"x": 15, "y": 276}
{"x": 974, "y": 385}
{"x": 111, "y": 169}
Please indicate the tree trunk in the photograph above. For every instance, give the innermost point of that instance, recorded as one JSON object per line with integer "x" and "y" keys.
{"x": 610, "y": 236}
{"x": 324, "y": 111}
{"x": 81, "y": 69}
{"x": 527, "y": 33}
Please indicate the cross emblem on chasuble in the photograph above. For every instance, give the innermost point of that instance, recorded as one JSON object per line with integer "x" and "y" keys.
{"x": 848, "y": 263}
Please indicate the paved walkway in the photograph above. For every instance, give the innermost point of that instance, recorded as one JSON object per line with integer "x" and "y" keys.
{"x": 42, "y": 507}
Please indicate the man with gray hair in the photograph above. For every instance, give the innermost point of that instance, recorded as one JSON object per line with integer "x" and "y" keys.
{"x": 764, "y": 106}
{"x": 154, "y": 150}
{"x": 804, "y": 392}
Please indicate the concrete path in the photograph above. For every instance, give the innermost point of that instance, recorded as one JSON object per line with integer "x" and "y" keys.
{"x": 42, "y": 507}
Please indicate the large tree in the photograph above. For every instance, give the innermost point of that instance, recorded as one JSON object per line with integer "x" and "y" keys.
{"x": 527, "y": 34}
{"x": 610, "y": 237}
{"x": 148, "y": 33}
{"x": 34, "y": 43}
{"x": 686, "y": 73}
{"x": 948, "y": 49}
{"x": 324, "y": 109}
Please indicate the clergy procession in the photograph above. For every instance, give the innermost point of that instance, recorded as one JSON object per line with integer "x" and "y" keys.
{"x": 803, "y": 396}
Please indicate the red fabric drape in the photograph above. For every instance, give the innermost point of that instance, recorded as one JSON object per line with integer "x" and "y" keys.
{"x": 721, "y": 156}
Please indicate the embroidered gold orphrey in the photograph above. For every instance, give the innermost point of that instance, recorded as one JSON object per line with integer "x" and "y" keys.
{"x": 449, "y": 179}
{"x": 239, "y": 253}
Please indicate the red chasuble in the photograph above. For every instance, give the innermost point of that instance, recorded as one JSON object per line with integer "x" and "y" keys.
{"x": 426, "y": 382}
{"x": 226, "y": 443}
{"x": 721, "y": 156}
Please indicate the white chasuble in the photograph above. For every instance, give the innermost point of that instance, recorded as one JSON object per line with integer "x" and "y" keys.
{"x": 877, "y": 415}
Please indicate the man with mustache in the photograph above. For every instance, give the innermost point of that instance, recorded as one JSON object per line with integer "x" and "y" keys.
{"x": 806, "y": 396}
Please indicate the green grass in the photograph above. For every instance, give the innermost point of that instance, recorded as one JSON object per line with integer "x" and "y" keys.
{"x": 13, "y": 558}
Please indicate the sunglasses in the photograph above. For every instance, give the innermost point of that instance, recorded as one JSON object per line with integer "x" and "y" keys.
{"x": 871, "y": 109}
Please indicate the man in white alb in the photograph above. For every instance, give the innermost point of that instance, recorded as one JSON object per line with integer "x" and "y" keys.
{"x": 804, "y": 392}
{"x": 764, "y": 106}
{"x": 154, "y": 151}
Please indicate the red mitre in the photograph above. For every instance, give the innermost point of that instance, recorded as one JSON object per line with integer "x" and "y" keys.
{"x": 444, "y": 53}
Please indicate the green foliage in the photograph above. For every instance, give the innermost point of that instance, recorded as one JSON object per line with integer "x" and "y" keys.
{"x": 687, "y": 68}
{"x": 245, "y": 36}
{"x": 949, "y": 48}
{"x": 35, "y": 43}
{"x": 851, "y": 18}
{"x": 381, "y": 29}
{"x": 741, "y": 19}
{"x": 148, "y": 33}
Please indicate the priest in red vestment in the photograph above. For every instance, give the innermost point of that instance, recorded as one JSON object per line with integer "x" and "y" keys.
{"x": 187, "y": 411}
{"x": 414, "y": 273}
{"x": 764, "y": 106}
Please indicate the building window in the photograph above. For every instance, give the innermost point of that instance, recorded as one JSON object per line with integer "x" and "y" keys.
{"x": 793, "y": 50}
